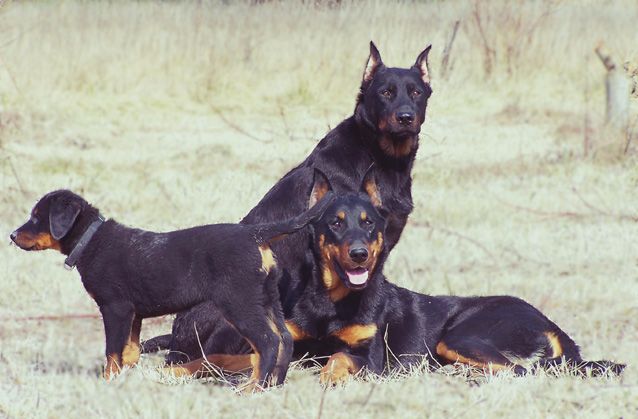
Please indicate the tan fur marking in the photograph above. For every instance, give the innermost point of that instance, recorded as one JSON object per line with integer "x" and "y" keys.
{"x": 341, "y": 215}
{"x": 268, "y": 261}
{"x": 319, "y": 190}
{"x": 205, "y": 367}
{"x": 296, "y": 331}
{"x": 557, "y": 348}
{"x": 376, "y": 246}
{"x": 112, "y": 367}
{"x": 338, "y": 369}
{"x": 364, "y": 216}
{"x": 373, "y": 192}
{"x": 41, "y": 241}
{"x": 356, "y": 334}
{"x": 453, "y": 356}
{"x": 131, "y": 351}
{"x": 336, "y": 289}
{"x": 397, "y": 149}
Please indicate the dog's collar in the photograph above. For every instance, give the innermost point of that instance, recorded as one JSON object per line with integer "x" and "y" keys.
{"x": 72, "y": 259}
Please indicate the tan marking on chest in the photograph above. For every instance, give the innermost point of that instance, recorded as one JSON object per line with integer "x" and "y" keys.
{"x": 268, "y": 261}
{"x": 356, "y": 334}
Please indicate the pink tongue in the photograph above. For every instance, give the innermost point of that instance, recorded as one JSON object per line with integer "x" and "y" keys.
{"x": 357, "y": 277}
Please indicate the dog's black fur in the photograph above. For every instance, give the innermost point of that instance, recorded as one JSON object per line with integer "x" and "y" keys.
{"x": 383, "y": 131}
{"x": 376, "y": 324}
{"x": 134, "y": 274}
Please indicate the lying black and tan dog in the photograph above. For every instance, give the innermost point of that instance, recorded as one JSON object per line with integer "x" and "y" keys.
{"x": 134, "y": 274}
{"x": 383, "y": 131}
{"x": 375, "y": 324}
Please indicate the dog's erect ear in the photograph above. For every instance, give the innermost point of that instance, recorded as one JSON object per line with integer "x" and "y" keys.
{"x": 62, "y": 215}
{"x": 422, "y": 64}
{"x": 320, "y": 187}
{"x": 369, "y": 186}
{"x": 374, "y": 63}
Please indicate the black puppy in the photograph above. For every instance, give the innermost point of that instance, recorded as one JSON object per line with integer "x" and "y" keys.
{"x": 372, "y": 318}
{"x": 134, "y": 274}
{"x": 384, "y": 131}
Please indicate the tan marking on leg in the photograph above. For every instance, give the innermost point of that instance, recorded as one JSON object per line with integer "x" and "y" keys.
{"x": 296, "y": 331}
{"x": 356, "y": 334}
{"x": 557, "y": 348}
{"x": 112, "y": 367}
{"x": 268, "y": 261}
{"x": 201, "y": 367}
{"x": 453, "y": 356}
{"x": 132, "y": 350}
{"x": 338, "y": 369}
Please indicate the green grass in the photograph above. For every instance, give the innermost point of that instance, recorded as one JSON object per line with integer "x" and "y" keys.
{"x": 173, "y": 114}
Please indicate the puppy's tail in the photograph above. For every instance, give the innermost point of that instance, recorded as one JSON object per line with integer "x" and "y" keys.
{"x": 155, "y": 344}
{"x": 266, "y": 233}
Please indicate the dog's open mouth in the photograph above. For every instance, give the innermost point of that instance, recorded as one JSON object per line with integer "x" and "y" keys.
{"x": 358, "y": 276}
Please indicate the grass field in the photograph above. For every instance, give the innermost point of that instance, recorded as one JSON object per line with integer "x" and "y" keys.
{"x": 173, "y": 114}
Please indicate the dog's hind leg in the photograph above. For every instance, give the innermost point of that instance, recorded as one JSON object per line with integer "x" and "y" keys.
{"x": 205, "y": 367}
{"x": 476, "y": 352}
{"x": 278, "y": 326}
{"x": 118, "y": 323}
{"x": 256, "y": 328}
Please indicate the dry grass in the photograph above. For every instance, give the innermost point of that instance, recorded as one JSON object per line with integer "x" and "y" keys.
{"x": 167, "y": 115}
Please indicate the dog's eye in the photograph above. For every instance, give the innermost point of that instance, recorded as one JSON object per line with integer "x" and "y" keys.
{"x": 368, "y": 222}
{"x": 336, "y": 223}
{"x": 386, "y": 93}
{"x": 34, "y": 220}
{"x": 415, "y": 93}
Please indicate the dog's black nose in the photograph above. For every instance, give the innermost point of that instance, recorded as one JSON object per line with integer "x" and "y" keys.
{"x": 405, "y": 118}
{"x": 358, "y": 254}
{"x": 14, "y": 235}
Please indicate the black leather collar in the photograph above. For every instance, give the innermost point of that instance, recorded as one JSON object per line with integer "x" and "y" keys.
{"x": 72, "y": 259}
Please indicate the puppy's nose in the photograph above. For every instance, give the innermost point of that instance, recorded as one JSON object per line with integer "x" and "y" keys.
{"x": 358, "y": 254}
{"x": 405, "y": 118}
{"x": 14, "y": 236}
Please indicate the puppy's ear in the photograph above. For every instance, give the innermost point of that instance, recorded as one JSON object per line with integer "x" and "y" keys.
{"x": 62, "y": 215}
{"x": 422, "y": 64}
{"x": 374, "y": 63}
{"x": 320, "y": 187}
{"x": 369, "y": 187}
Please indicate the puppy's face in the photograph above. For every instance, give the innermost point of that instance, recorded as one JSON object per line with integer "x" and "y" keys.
{"x": 50, "y": 221}
{"x": 349, "y": 238}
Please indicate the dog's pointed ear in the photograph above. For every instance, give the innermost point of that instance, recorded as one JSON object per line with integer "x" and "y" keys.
{"x": 422, "y": 64}
{"x": 369, "y": 187}
{"x": 320, "y": 187}
{"x": 62, "y": 215}
{"x": 374, "y": 63}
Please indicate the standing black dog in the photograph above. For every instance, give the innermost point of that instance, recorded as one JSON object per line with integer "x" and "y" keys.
{"x": 134, "y": 274}
{"x": 383, "y": 131}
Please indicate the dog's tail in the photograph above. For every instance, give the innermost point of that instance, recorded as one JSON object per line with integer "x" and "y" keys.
{"x": 582, "y": 368}
{"x": 564, "y": 358}
{"x": 266, "y": 233}
{"x": 155, "y": 344}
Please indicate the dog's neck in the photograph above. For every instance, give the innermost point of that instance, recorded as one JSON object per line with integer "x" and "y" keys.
{"x": 74, "y": 243}
{"x": 386, "y": 151}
